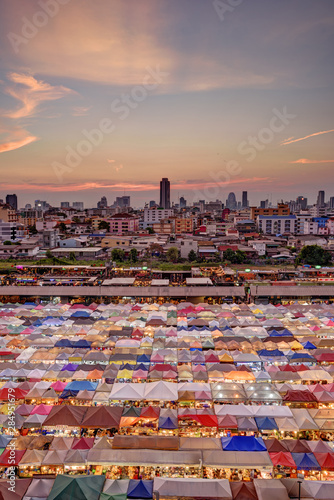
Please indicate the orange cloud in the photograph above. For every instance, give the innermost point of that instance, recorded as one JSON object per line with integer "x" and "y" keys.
{"x": 305, "y": 161}
{"x": 12, "y": 145}
{"x": 284, "y": 143}
{"x": 31, "y": 92}
{"x": 133, "y": 187}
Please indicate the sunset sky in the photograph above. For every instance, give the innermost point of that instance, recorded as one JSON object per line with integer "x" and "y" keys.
{"x": 178, "y": 88}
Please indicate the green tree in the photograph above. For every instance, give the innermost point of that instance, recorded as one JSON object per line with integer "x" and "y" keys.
{"x": 314, "y": 255}
{"x": 217, "y": 257}
{"x": 117, "y": 254}
{"x": 192, "y": 256}
{"x": 103, "y": 224}
{"x": 48, "y": 254}
{"x": 150, "y": 230}
{"x": 172, "y": 254}
{"x": 62, "y": 227}
{"x": 32, "y": 229}
{"x": 7, "y": 242}
{"x": 238, "y": 257}
{"x": 72, "y": 256}
{"x": 133, "y": 255}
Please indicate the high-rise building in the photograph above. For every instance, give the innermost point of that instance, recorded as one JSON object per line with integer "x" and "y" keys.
{"x": 152, "y": 203}
{"x": 64, "y": 204}
{"x": 183, "y": 202}
{"x": 165, "y": 193}
{"x": 103, "y": 203}
{"x": 244, "y": 201}
{"x": 41, "y": 205}
{"x": 321, "y": 199}
{"x": 331, "y": 202}
{"x": 122, "y": 201}
{"x": 78, "y": 205}
{"x": 11, "y": 199}
{"x": 231, "y": 202}
{"x": 302, "y": 202}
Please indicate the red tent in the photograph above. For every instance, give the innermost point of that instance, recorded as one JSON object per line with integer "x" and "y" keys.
{"x": 325, "y": 460}
{"x": 282, "y": 458}
{"x": 227, "y": 422}
{"x": 8, "y": 394}
{"x": 11, "y": 457}
{"x": 300, "y": 396}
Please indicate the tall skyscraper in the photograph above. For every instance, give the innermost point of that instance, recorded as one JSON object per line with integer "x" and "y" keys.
{"x": 183, "y": 202}
{"x": 302, "y": 202}
{"x": 231, "y": 202}
{"x": 64, "y": 204}
{"x": 331, "y": 202}
{"x": 78, "y": 205}
{"x": 321, "y": 199}
{"x": 244, "y": 202}
{"x": 165, "y": 193}
{"x": 11, "y": 199}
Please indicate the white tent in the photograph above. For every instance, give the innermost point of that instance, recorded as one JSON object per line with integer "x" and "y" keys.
{"x": 190, "y": 487}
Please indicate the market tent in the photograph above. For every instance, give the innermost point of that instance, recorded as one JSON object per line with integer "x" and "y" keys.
{"x": 237, "y": 459}
{"x": 325, "y": 460}
{"x": 144, "y": 457}
{"x": 21, "y": 486}
{"x": 102, "y": 417}
{"x": 282, "y": 458}
{"x": 65, "y": 415}
{"x": 161, "y": 391}
{"x": 193, "y": 488}
{"x": 128, "y": 392}
{"x": 292, "y": 487}
{"x": 78, "y": 487}
{"x": 200, "y": 443}
{"x": 146, "y": 442}
{"x": 243, "y": 491}
{"x": 321, "y": 490}
{"x": 246, "y": 424}
{"x": 115, "y": 489}
{"x": 271, "y": 488}
{"x": 243, "y": 443}
{"x": 139, "y": 488}
{"x": 266, "y": 423}
{"x": 306, "y": 461}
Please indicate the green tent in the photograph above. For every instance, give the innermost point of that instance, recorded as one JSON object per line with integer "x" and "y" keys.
{"x": 76, "y": 487}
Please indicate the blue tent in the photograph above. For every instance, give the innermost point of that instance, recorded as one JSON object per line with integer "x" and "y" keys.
{"x": 266, "y": 423}
{"x": 127, "y": 366}
{"x": 167, "y": 423}
{"x": 308, "y": 345}
{"x": 82, "y": 343}
{"x": 243, "y": 443}
{"x": 306, "y": 461}
{"x": 144, "y": 358}
{"x": 69, "y": 367}
{"x": 81, "y": 385}
{"x": 139, "y": 488}
{"x": 68, "y": 394}
{"x": 63, "y": 343}
{"x": 80, "y": 314}
{"x": 141, "y": 366}
{"x": 266, "y": 352}
{"x": 301, "y": 355}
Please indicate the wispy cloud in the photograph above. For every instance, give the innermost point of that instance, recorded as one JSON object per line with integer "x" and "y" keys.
{"x": 31, "y": 92}
{"x": 80, "y": 110}
{"x": 186, "y": 185}
{"x": 292, "y": 140}
{"x": 306, "y": 161}
{"x": 15, "y": 139}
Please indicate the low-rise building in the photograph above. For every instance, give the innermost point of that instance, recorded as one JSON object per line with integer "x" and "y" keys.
{"x": 276, "y": 224}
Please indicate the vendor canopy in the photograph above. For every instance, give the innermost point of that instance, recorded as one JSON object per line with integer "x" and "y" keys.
{"x": 102, "y": 417}
{"x": 271, "y": 489}
{"x": 71, "y": 416}
{"x": 78, "y": 487}
{"x": 243, "y": 443}
{"x": 193, "y": 488}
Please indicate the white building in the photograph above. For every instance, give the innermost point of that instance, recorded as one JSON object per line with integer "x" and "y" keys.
{"x": 311, "y": 227}
{"x": 276, "y": 224}
{"x": 186, "y": 246}
{"x": 154, "y": 215}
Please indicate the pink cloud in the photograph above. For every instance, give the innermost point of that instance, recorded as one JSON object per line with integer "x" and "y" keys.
{"x": 31, "y": 92}
{"x": 12, "y": 145}
{"x": 287, "y": 141}
{"x": 305, "y": 161}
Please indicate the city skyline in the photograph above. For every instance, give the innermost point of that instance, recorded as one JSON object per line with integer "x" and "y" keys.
{"x": 203, "y": 101}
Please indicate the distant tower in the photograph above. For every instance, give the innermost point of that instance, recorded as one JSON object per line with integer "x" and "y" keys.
{"x": 11, "y": 199}
{"x": 244, "y": 202}
{"x": 231, "y": 202}
{"x": 165, "y": 193}
{"x": 321, "y": 199}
